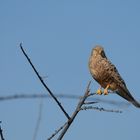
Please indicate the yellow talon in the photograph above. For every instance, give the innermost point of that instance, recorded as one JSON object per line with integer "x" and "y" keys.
{"x": 106, "y": 90}
{"x": 99, "y": 91}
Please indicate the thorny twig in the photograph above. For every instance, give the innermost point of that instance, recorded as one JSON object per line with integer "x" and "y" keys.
{"x": 79, "y": 108}
{"x": 35, "y": 96}
{"x": 57, "y": 131}
{"x": 43, "y": 83}
{"x": 65, "y": 96}
{"x": 100, "y": 109}
{"x": 89, "y": 103}
{"x": 1, "y": 134}
{"x": 81, "y": 102}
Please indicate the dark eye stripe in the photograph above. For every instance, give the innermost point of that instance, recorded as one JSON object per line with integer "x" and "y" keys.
{"x": 103, "y": 54}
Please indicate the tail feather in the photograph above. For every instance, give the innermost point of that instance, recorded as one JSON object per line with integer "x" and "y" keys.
{"x": 124, "y": 92}
{"x": 135, "y": 103}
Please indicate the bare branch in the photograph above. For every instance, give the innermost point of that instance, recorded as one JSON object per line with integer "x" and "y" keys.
{"x": 79, "y": 108}
{"x": 1, "y": 134}
{"x": 81, "y": 102}
{"x": 91, "y": 94}
{"x": 34, "y": 96}
{"x": 100, "y": 109}
{"x": 57, "y": 131}
{"x": 89, "y": 103}
{"x": 64, "y": 96}
{"x": 38, "y": 120}
{"x": 43, "y": 83}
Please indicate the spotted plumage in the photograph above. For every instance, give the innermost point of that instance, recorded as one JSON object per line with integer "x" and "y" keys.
{"x": 107, "y": 75}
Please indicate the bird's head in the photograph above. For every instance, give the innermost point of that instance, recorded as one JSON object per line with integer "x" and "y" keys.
{"x": 98, "y": 51}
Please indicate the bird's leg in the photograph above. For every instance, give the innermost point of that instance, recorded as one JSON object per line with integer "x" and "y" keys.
{"x": 106, "y": 89}
{"x": 99, "y": 91}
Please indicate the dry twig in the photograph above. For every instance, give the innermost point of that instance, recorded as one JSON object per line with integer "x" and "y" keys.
{"x": 100, "y": 109}
{"x": 1, "y": 134}
{"x": 65, "y": 96}
{"x": 81, "y": 102}
{"x": 38, "y": 120}
{"x": 89, "y": 103}
{"x": 43, "y": 83}
{"x": 57, "y": 131}
{"x": 36, "y": 96}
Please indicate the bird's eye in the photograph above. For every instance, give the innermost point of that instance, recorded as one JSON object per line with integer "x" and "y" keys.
{"x": 103, "y": 54}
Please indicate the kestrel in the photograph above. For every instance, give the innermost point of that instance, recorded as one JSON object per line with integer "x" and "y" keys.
{"x": 106, "y": 74}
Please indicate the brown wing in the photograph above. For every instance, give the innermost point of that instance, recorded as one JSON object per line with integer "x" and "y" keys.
{"x": 121, "y": 86}
{"x": 106, "y": 73}
{"x": 116, "y": 77}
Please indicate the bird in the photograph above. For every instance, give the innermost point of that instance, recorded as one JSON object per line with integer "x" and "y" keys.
{"x": 106, "y": 74}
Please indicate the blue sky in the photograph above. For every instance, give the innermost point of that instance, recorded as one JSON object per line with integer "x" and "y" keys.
{"x": 59, "y": 36}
